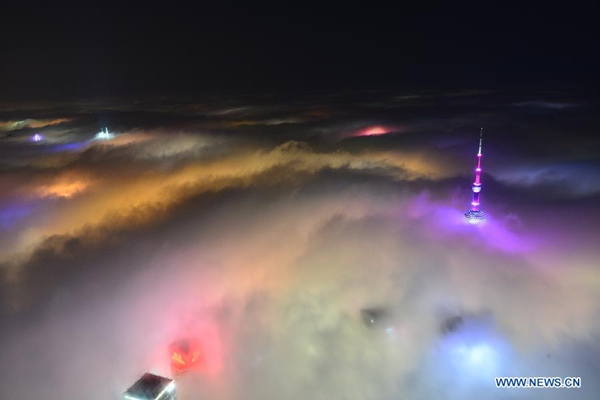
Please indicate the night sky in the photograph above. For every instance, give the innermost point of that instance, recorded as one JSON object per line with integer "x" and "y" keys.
{"x": 84, "y": 51}
{"x": 287, "y": 186}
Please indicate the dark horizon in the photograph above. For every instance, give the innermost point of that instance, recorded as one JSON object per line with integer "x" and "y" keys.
{"x": 88, "y": 52}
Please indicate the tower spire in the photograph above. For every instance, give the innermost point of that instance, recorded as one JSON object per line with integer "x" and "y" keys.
{"x": 474, "y": 214}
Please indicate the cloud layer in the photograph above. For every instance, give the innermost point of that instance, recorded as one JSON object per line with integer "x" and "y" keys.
{"x": 271, "y": 229}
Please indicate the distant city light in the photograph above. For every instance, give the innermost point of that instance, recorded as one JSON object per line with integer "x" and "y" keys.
{"x": 104, "y": 135}
{"x": 478, "y": 360}
{"x": 472, "y": 350}
{"x": 477, "y": 354}
{"x": 374, "y": 131}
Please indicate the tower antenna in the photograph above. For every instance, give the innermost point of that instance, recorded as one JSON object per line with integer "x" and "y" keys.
{"x": 474, "y": 214}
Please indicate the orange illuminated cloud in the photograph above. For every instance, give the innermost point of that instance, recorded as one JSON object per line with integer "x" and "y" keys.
{"x": 145, "y": 198}
{"x": 65, "y": 185}
{"x": 61, "y": 189}
{"x": 31, "y": 123}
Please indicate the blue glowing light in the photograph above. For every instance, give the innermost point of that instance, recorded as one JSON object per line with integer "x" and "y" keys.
{"x": 11, "y": 214}
{"x": 75, "y": 146}
{"x": 473, "y": 352}
{"x": 477, "y": 355}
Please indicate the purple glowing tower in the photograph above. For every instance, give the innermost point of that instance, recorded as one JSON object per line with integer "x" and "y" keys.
{"x": 474, "y": 214}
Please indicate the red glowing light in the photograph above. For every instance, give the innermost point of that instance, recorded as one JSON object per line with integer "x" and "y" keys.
{"x": 198, "y": 350}
{"x": 374, "y": 131}
{"x": 186, "y": 354}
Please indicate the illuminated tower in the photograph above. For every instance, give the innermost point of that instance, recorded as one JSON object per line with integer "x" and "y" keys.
{"x": 104, "y": 135}
{"x": 474, "y": 214}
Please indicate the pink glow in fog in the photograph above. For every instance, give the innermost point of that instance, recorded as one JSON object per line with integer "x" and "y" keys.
{"x": 445, "y": 222}
{"x": 373, "y": 131}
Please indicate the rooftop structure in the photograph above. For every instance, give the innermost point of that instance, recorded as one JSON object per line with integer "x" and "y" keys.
{"x": 151, "y": 387}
